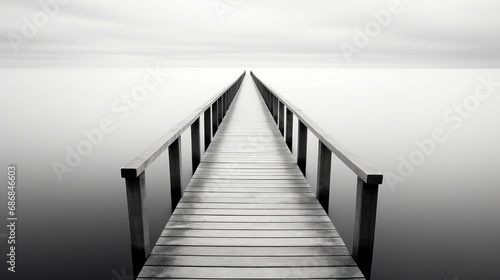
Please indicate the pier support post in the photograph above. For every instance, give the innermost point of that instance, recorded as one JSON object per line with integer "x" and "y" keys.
{"x": 275, "y": 109}
{"x": 324, "y": 171}
{"x": 207, "y": 127}
{"x": 138, "y": 221}
{"x": 215, "y": 116}
{"x": 289, "y": 129}
{"x": 281, "y": 115}
{"x": 364, "y": 226}
{"x": 220, "y": 107}
{"x": 175, "y": 161}
{"x": 195, "y": 144}
{"x": 302, "y": 148}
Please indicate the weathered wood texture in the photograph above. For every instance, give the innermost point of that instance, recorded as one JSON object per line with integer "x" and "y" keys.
{"x": 248, "y": 212}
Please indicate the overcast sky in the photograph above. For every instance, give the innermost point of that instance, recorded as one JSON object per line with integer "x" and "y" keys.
{"x": 251, "y": 33}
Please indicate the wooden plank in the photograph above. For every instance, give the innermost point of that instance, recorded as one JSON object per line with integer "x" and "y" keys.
{"x": 245, "y": 184}
{"x": 278, "y": 227}
{"x": 283, "y": 200}
{"x": 248, "y": 165}
{"x": 249, "y": 212}
{"x": 250, "y": 251}
{"x": 249, "y": 242}
{"x": 248, "y": 195}
{"x": 250, "y": 219}
{"x": 191, "y": 205}
{"x": 255, "y": 182}
{"x": 246, "y": 177}
{"x": 248, "y": 171}
{"x": 249, "y": 233}
{"x": 248, "y": 190}
{"x": 207, "y": 261}
{"x": 250, "y": 273}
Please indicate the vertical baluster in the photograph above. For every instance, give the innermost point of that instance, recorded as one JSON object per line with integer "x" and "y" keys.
{"x": 364, "y": 225}
{"x": 302, "y": 148}
{"x": 195, "y": 144}
{"x": 268, "y": 97}
{"x": 138, "y": 221}
{"x": 207, "y": 127}
{"x": 324, "y": 171}
{"x": 175, "y": 161}
{"x": 226, "y": 99}
{"x": 215, "y": 115}
{"x": 221, "y": 109}
{"x": 264, "y": 96}
{"x": 289, "y": 129}
{"x": 275, "y": 109}
{"x": 225, "y": 102}
{"x": 281, "y": 121}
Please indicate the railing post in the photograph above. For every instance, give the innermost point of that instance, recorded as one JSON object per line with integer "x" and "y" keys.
{"x": 195, "y": 144}
{"x": 324, "y": 170}
{"x": 175, "y": 161}
{"x": 270, "y": 101}
{"x": 281, "y": 113}
{"x": 138, "y": 221}
{"x": 224, "y": 104}
{"x": 364, "y": 226}
{"x": 215, "y": 115}
{"x": 226, "y": 99}
{"x": 275, "y": 109}
{"x": 302, "y": 148}
{"x": 265, "y": 95}
{"x": 289, "y": 129}
{"x": 221, "y": 110}
{"x": 207, "y": 127}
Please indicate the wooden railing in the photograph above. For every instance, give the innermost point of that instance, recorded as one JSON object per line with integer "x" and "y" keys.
{"x": 368, "y": 177}
{"x": 214, "y": 111}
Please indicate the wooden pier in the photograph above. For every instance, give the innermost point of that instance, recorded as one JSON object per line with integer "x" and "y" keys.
{"x": 248, "y": 211}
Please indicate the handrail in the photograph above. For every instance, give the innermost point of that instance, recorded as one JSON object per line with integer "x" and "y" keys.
{"x": 214, "y": 111}
{"x": 141, "y": 162}
{"x": 364, "y": 170}
{"x": 368, "y": 177}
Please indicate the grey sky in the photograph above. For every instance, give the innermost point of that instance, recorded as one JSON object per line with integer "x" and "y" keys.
{"x": 251, "y": 33}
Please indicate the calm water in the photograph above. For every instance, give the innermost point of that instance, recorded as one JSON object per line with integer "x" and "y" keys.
{"x": 439, "y": 222}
